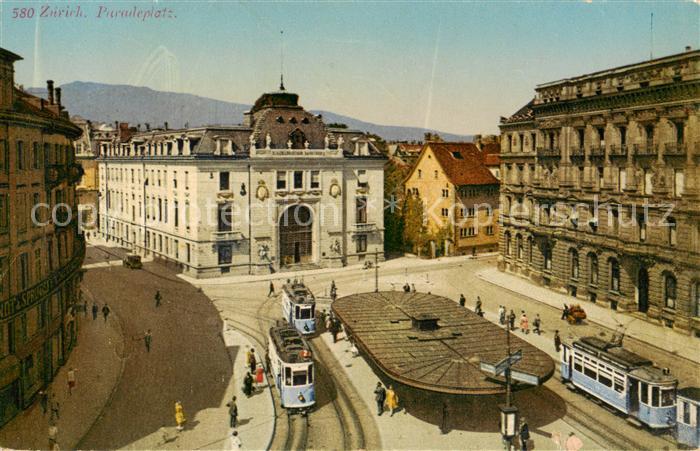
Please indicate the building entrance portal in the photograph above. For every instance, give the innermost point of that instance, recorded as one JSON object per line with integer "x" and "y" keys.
{"x": 296, "y": 236}
{"x": 643, "y": 290}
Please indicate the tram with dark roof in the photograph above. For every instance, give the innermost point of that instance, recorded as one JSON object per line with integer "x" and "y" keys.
{"x": 292, "y": 367}
{"x": 299, "y": 307}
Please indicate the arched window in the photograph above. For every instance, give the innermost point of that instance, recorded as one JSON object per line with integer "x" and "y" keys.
{"x": 614, "y": 275}
{"x": 593, "y": 269}
{"x": 506, "y": 239}
{"x": 670, "y": 291}
{"x": 695, "y": 298}
{"x": 574, "y": 263}
{"x": 672, "y": 231}
{"x": 530, "y": 246}
{"x": 519, "y": 248}
{"x": 547, "y": 254}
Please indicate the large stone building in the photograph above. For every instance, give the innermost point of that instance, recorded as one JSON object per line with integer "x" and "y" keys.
{"x": 459, "y": 194}
{"x": 40, "y": 259}
{"x": 280, "y": 191}
{"x": 600, "y": 189}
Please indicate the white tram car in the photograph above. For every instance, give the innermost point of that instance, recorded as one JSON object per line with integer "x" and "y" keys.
{"x": 299, "y": 307}
{"x": 292, "y": 367}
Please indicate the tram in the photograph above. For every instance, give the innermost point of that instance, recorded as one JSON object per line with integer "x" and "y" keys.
{"x": 292, "y": 367}
{"x": 632, "y": 385}
{"x": 299, "y": 307}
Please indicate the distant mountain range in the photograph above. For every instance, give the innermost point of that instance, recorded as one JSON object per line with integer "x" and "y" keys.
{"x": 140, "y": 105}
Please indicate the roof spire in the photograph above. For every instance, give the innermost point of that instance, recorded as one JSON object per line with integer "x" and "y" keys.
{"x": 282, "y": 61}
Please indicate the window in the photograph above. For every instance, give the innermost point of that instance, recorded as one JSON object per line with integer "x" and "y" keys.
{"x": 445, "y": 212}
{"x": 506, "y": 241}
{"x": 519, "y": 247}
{"x": 601, "y": 135}
{"x": 574, "y": 264}
{"x": 361, "y": 243}
{"x": 589, "y": 369}
{"x": 648, "y": 182}
{"x": 187, "y": 180}
{"x": 680, "y": 138}
{"x": 655, "y": 396}
{"x": 298, "y": 179}
{"x": 361, "y": 210}
{"x": 678, "y": 182}
{"x": 37, "y": 265}
{"x": 175, "y": 179}
{"x": 695, "y": 298}
{"x": 23, "y": 272}
{"x": 420, "y": 173}
{"x": 299, "y": 378}
{"x": 619, "y": 381}
{"x": 547, "y": 258}
{"x": 614, "y": 222}
{"x": 489, "y": 230}
{"x": 530, "y": 247}
{"x": 642, "y": 225}
{"x": 158, "y": 172}
{"x": 668, "y": 397}
{"x": 435, "y": 174}
{"x": 4, "y": 213}
{"x": 3, "y": 156}
{"x": 670, "y": 291}
{"x": 614, "y": 275}
{"x": 176, "y": 213}
{"x": 315, "y": 180}
{"x": 20, "y": 156}
{"x": 224, "y": 184}
{"x": 623, "y": 136}
{"x": 224, "y": 218}
{"x": 683, "y": 411}
{"x": 622, "y": 180}
{"x": 225, "y": 255}
{"x": 160, "y": 209}
{"x": 35, "y": 156}
{"x": 578, "y": 364}
{"x": 672, "y": 232}
{"x": 187, "y": 252}
{"x": 287, "y": 375}
{"x": 445, "y": 193}
{"x": 605, "y": 377}
{"x": 281, "y": 180}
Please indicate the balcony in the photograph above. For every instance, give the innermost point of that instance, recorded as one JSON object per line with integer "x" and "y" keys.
{"x": 365, "y": 227}
{"x": 679, "y": 149}
{"x": 618, "y": 150}
{"x": 232, "y": 235}
{"x": 597, "y": 151}
{"x": 578, "y": 152}
{"x": 646, "y": 149}
{"x": 552, "y": 152}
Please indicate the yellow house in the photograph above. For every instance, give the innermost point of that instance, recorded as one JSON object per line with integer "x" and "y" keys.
{"x": 460, "y": 195}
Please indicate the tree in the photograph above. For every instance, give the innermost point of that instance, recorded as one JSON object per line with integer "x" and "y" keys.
{"x": 414, "y": 230}
{"x": 336, "y": 125}
{"x": 430, "y": 136}
{"x": 395, "y": 173}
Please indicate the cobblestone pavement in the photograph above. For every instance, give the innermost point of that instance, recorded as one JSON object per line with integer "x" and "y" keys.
{"x": 188, "y": 361}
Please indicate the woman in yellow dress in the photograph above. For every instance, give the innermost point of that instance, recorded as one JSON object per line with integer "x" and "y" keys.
{"x": 179, "y": 415}
{"x": 392, "y": 400}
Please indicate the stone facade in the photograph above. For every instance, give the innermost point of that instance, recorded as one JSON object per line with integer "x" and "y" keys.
{"x": 280, "y": 192}
{"x": 601, "y": 186}
{"x": 40, "y": 259}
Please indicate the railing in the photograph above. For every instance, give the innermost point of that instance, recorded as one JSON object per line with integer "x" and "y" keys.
{"x": 365, "y": 226}
{"x": 675, "y": 149}
{"x": 578, "y": 151}
{"x": 548, "y": 152}
{"x": 618, "y": 151}
{"x": 597, "y": 151}
{"x": 645, "y": 149}
{"x": 231, "y": 235}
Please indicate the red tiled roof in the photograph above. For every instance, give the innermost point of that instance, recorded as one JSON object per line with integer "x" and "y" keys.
{"x": 463, "y": 163}
{"x": 492, "y": 159}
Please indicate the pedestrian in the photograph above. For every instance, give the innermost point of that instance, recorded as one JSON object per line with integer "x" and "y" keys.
{"x": 573, "y": 443}
{"x": 259, "y": 374}
{"x": 462, "y": 300}
{"x": 55, "y": 408}
{"x": 557, "y": 341}
{"x": 248, "y": 384}
{"x": 335, "y": 329}
{"x": 233, "y": 412}
{"x": 380, "y": 397}
{"x": 334, "y": 293}
{"x": 353, "y": 350}
{"x": 501, "y": 315}
{"x": 537, "y": 322}
{"x": 511, "y": 319}
{"x": 253, "y": 361}
{"x": 524, "y": 323}
{"x": 85, "y": 310}
{"x": 44, "y": 401}
{"x": 392, "y": 400}
{"x": 180, "y": 416}
{"x": 53, "y": 434}
{"x": 147, "y": 340}
{"x": 105, "y": 311}
{"x": 235, "y": 441}
{"x": 524, "y": 434}
{"x": 271, "y": 291}
{"x": 71, "y": 380}
{"x": 565, "y": 312}
{"x": 158, "y": 298}
{"x": 478, "y": 308}
{"x": 322, "y": 318}
{"x": 443, "y": 424}
{"x": 94, "y": 311}
{"x": 333, "y": 287}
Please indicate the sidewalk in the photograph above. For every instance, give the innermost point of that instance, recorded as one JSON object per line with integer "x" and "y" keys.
{"x": 209, "y": 428}
{"x": 652, "y": 334}
{"x": 420, "y": 429}
{"x": 98, "y": 363}
{"x": 401, "y": 262}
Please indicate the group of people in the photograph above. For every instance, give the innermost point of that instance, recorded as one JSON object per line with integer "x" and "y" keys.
{"x": 409, "y": 288}
{"x": 508, "y": 319}
{"x": 255, "y": 373}
{"x": 386, "y": 397}
{"x": 105, "y": 311}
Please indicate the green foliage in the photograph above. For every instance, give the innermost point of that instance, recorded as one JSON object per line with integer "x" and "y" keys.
{"x": 414, "y": 231}
{"x": 394, "y": 175}
{"x": 336, "y": 125}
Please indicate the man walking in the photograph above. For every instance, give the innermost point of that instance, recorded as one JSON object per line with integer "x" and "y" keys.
{"x": 158, "y": 298}
{"x": 478, "y": 310}
{"x": 94, "y": 310}
{"x": 380, "y": 397}
{"x": 71, "y": 380}
{"x": 557, "y": 341}
{"x": 105, "y": 311}
{"x": 511, "y": 319}
{"x": 536, "y": 323}
{"x": 147, "y": 340}
{"x": 501, "y": 315}
{"x": 253, "y": 363}
{"x": 271, "y": 291}
{"x": 233, "y": 413}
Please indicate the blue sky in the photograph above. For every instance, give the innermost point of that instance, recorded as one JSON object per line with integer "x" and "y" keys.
{"x": 454, "y": 66}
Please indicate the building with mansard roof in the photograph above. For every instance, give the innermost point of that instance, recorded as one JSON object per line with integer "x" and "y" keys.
{"x": 281, "y": 191}
{"x": 600, "y": 191}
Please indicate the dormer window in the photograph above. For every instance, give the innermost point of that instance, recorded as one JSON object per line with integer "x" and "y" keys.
{"x": 293, "y": 120}
{"x": 305, "y": 120}
{"x": 280, "y": 119}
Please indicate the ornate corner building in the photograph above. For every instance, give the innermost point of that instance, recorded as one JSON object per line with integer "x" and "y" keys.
{"x": 282, "y": 191}
{"x": 600, "y": 194}
{"x": 40, "y": 258}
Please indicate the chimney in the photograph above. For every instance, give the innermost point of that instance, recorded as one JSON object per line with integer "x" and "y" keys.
{"x": 688, "y": 48}
{"x": 116, "y": 125}
{"x": 138, "y": 127}
{"x": 58, "y": 98}
{"x": 42, "y": 104}
{"x": 165, "y": 125}
{"x": 148, "y": 126}
{"x": 49, "y": 89}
